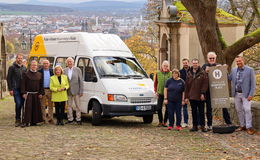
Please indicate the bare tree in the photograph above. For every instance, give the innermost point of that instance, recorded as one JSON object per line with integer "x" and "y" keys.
{"x": 244, "y": 9}
{"x": 204, "y": 15}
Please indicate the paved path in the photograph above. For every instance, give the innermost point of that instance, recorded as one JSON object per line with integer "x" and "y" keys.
{"x": 118, "y": 138}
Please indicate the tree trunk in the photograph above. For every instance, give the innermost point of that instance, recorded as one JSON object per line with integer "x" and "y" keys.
{"x": 204, "y": 15}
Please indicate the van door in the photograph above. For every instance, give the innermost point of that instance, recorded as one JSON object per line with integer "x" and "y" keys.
{"x": 90, "y": 81}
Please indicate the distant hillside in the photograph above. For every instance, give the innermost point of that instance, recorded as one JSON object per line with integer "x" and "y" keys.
{"x": 97, "y": 5}
{"x": 33, "y": 8}
{"x": 108, "y": 5}
{"x": 92, "y": 7}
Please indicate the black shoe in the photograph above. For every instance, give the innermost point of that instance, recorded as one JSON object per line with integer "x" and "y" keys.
{"x": 61, "y": 123}
{"x": 203, "y": 129}
{"x": 58, "y": 122}
{"x": 24, "y": 125}
{"x": 194, "y": 129}
{"x": 17, "y": 123}
{"x": 69, "y": 122}
{"x": 33, "y": 124}
{"x": 79, "y": 122}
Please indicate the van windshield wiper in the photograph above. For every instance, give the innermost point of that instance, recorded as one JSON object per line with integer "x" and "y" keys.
{"x": 135, "y": 76}
{"x": 114, "y": 75}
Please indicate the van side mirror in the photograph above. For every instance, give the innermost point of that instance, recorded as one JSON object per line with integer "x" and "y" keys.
{"x": 151, "y": 76}
{"x": 94, "y": 79}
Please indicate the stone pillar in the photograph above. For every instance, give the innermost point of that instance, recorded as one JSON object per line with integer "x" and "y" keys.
{"x": 164, "y": 50}
{"x": 174, "y": 45}
{"x": 3, "y": 61}
{"x": 3, "y": 51}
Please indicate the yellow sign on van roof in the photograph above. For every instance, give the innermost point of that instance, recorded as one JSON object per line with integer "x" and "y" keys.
{"x": 38, "y": 48}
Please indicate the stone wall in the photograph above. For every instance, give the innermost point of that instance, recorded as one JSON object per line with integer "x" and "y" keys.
{"x": 255, "y": 113}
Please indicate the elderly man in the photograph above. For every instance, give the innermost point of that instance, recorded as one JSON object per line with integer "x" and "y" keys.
{"x": 14, "y": 78}
{"x": 75, "y": 91}
{"x": 212, "y": 57}
{"x": 243, "y": 87}
{"x": 160, "y": 79}
{"x": 46, "y": 74}
{"x": 32, "y": 90}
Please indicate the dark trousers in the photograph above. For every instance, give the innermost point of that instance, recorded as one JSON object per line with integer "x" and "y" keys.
{"x": 185, "y": 113}
{"x": 197, "y": 107}
{"x": 174, "y": 107}
{"x": 19, "y": 101}
{"x": 209, "y": 112}
{"x": 59, "y": 109}
{"x": 160, "y": 114}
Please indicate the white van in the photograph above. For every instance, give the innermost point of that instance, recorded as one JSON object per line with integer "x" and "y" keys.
{"x": 115, "y": 84}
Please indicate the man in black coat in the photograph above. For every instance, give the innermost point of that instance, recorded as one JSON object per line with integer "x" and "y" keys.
{"x": 212, "y": 57}
{"x": 14, "y": 78}
{"x": 183, "y": 76}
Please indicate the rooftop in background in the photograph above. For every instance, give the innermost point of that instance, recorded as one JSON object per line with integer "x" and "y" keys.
{"x": 222, "y": 16}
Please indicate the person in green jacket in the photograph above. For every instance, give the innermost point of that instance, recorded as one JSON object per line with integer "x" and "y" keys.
{"x": 160, "y": 79}
{"x": 59, "y": 85}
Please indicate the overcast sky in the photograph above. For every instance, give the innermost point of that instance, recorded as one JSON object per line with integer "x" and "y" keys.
{"x": 60, "y": 1}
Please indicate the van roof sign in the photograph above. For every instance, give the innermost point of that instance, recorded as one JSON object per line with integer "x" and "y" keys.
{"x": 69, "y": 38}
{"x": 79, "y": 43}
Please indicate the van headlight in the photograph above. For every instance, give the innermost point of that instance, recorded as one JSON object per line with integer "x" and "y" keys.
{"x": 117, "y": 97}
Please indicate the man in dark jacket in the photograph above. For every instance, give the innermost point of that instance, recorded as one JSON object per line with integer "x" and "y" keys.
{"x": 183, "y": 76}
{"x": 46, "y": 74}
{"x": 14, "y": 78}
{"x": 196, "y": 86}
{"x": 212, "y": 57}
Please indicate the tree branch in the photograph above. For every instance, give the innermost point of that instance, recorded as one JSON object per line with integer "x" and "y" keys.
{"x": 152, "y": 56}
{"x": 255, "y": 8}
{"x": 220, "y": 37}
{"x": 234, "y": 9}
{"x": 244, "y": 11}
{"x": 255, "y": 60}
{"x": 242, "y": 44}
{"x": 250, "y": 23}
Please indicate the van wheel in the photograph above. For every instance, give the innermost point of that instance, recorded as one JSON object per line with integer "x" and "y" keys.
{"x": 96, "y": 113}
{"x": 148, "y": 118}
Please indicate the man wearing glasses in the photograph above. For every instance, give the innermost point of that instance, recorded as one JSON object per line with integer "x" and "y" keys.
{"x": 212, "y": 57}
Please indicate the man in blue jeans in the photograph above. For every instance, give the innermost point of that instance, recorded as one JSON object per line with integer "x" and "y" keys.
{"x": 183, "y": 72}
{"x": 14, "y": 78}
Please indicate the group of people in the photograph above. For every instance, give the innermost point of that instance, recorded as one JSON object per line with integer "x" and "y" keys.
{"x": 190, "y": 85}
{"x": 34, "y": 90}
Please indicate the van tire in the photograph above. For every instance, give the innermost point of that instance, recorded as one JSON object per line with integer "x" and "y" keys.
{"x": 148, "y": 119}
{"x": 96, "y": 113}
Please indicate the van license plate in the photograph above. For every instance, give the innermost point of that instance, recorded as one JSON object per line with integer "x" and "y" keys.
{"x": 143, "y": 108}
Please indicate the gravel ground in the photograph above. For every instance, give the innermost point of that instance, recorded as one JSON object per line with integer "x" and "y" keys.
{"x": 118, "y": 138}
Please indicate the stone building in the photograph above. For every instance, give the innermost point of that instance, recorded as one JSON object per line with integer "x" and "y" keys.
{"x": 178, "y": 37}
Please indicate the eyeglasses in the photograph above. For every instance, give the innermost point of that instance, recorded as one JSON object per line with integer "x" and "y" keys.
{"x": 212, "y": 58}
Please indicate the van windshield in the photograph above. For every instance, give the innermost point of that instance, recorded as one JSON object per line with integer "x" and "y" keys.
{"x": 119, "y": 67}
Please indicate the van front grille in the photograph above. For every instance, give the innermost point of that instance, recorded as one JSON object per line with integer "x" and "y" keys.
{"x": 141, "y": 100}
